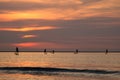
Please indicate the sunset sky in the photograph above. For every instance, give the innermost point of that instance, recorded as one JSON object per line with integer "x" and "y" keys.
{"x": 60, "y": 24}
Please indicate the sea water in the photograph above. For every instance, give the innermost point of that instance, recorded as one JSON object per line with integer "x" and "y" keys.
{"x": 59, "y": 66}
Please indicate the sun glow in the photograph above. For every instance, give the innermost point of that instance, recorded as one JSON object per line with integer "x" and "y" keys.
{"x": 29, "y": 36}
{"x": 26, "y": 29}
{"x": 46, "y": 14}
{"x": 39, "y": 45}
{"x": 26, "y": 44}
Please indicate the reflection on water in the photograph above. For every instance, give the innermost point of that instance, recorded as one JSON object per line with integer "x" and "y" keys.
{"x": 67, "y": 60}
{"x": 94, "y": 62}
{"x": 43, "y": 77}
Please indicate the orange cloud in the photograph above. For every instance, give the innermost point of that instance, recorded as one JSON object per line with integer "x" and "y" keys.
{"x": 26, "y": 29}
{"x": 21, "y": 0}
{"x": 29, "y": 36}
{"x": 45, "y": 1}
{"x": 62, "y": 10}
{"x": 38, "y": 45}
{"x": 47, "y": 14}
{"x": 27, "y": 44}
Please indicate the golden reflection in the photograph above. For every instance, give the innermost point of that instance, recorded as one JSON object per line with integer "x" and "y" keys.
{"x": 24, "y": 63}
{"x": 20, "y": 76}
{"x": 33, "y": 64}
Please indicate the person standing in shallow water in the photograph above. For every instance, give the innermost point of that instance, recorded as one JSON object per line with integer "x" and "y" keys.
{"x": 17, "y": 51}
{"x": 76, "y": 52}
{"x": 106, "y": 51}
{"x": 45, "y": 51}
{"x": 53, "y": 51}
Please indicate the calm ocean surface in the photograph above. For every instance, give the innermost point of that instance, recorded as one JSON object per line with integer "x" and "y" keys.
{"x": 59, "y": 66}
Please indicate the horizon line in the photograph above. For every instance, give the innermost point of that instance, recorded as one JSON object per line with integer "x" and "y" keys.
{"x": 65, "y": 51}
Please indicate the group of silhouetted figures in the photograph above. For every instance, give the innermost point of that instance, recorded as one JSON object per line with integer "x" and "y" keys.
{"x": 45, "y": 51}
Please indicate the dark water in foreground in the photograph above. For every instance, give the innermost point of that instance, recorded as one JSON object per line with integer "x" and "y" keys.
{"x": 59, "y": 66}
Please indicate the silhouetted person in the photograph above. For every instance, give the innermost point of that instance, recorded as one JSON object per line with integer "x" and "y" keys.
{"x": 76, "y": 51}
{"x": 45, "y": 51}
{"x": 106, "y": 51}
{"x": 17, "y": 51}
{"x": 53, "y": 51}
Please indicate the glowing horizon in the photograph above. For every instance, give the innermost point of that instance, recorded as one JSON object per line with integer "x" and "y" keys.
{"x": 26, "y": 29}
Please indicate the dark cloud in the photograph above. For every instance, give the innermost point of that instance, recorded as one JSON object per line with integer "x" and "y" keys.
{"x": 23, "y": 6}
{"x": 20, "y": 6}
{"x": 87, "y": 23}
{"x": 74, "y": 33}
{"x": 75, "y": 38}
{"x": 90, "y": 1}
